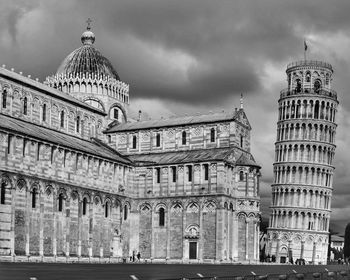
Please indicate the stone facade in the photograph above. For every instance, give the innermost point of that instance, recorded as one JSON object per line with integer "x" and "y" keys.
{"x": 77, "y": 187}
{"x": 303, "y": 170}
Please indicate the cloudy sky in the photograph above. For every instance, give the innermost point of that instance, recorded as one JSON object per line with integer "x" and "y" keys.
{"x": 183, "y": 57}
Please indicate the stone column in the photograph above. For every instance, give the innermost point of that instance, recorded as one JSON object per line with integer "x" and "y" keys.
{"x": 314, "y": 253}
{"x": 152, "y": 234}
{"x": 91, "y": 223}
{"x": 168, "y": 213}
{"x": 184, "y": 241}
{"x": 200, "y": 241}
{"x": 302, "y": 249}
{"x": 219, "y": 233}
{"x": 278, "y": 250}
{"x": 80, "y": 213}
{"x": 67, "y": 225}
{"x": 234, "y": 237}
{"x": 246, "y": 184}
{"x": 27, "y": 221}
{"x": 246, "y": 238}
{"x": 256, "y": 241}
{"x": 13, "y": 209}
{"x": 41, "y": 223}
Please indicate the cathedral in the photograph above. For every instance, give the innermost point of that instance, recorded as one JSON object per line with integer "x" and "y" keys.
{"x": 84, "y": 180}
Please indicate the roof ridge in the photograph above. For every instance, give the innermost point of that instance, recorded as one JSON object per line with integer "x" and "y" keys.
{"x": 102, "y": 144}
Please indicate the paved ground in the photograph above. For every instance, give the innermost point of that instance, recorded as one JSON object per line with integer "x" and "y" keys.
{"x": 45, "y": 271}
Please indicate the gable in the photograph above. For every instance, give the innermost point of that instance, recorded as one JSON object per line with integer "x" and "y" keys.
{"x": 241, "y": 117}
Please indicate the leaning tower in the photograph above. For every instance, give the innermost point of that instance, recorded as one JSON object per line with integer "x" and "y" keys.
{"x": 303, "y": 170}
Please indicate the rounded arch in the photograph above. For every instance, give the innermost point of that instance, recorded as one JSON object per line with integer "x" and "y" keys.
{"x": 94, "y": 102}
{"x": 120, "y": 107}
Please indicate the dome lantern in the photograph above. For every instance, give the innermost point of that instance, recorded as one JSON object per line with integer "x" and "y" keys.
{"x": 88, "y": 37}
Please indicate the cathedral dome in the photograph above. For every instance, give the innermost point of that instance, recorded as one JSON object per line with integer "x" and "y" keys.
{"x": 87, "y": 60}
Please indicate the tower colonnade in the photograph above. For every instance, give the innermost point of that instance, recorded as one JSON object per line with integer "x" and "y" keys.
{"x": 303, "y": 170}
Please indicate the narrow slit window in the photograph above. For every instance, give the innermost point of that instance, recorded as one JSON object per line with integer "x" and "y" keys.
{"x": 173, "y": 171}
{"x": 212, "y": 135}
{"x": 84, "y": 205}
{"x": 134, "y": 141}
{"x": 44, "y": 113}
{"x": 158, "y": 140}
{"x": 77, "y": 125}
{"x": 60, "y": 202}
{"x": 158, "y": 175}
{"x": 62, "y": 119}
{"x": 3, "y": 193}
{"x": 189, "y": 170}
{"x": 106, "y": 210}
{"x": 161, "y": 217}
{"x": 184, "y": 136}
{"x": 4, "y": 99}
{"x": 206, "y": 172}
{"x": 125, "y": 212}
{"x": 25, "y": 105}
{"x": 34, "y": 194}
{"x": 9, "y": 142}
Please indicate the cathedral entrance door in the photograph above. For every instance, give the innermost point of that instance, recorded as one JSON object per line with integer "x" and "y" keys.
{"x": 193, "y": 251}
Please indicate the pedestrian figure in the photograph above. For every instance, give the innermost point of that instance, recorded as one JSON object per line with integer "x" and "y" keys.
{"x": 139, "y": 256}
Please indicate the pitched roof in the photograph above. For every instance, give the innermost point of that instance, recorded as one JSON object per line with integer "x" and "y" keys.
{"x": 188, "y": 156}
{"x": 96, "y": 148}
{"x": 49, "y": 91}
{"x": 178, "y": 121}
{"x": 246, "y": 160}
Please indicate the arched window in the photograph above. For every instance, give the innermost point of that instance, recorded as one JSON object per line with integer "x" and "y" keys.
{"x": 106, "y": 209}
{"x": 308, "y": 77}
{"x": 298, "y": 87}
{"x": 158, "y": 140}
{"x": 77, "y": 124}
{"x": 62, "y": 119}
{"x": 317, "y": 85}
{"x": 161, "y": 217}
{"x": 134, "y": 141}
{"x": 34, "y": 194}
{"x": 317, "y": 109}
{"x": 241, "y": 141}
{"x": 84, "y": 205}
{"x": 3, "y": 193}
{"x": 212, "y": 135}
{"x": 25, "y": 104}
{"x": 241, "y": 176}
{"x": 125, "y": 212}
{"x": 44, "y": 113}
{"x": 184, "y": 137}
{"x": 60, "y": 202}
{"x": 4, "y": 99}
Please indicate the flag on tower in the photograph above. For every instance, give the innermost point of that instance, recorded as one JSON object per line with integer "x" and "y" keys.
{"x": 305, "y": 45}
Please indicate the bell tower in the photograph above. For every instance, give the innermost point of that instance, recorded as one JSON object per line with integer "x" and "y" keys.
{"x": 303, "y": 168}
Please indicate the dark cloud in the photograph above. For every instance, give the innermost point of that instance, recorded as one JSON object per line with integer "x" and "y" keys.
{"x": 195, "y": 55}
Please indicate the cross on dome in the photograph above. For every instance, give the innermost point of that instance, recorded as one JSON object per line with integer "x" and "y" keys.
{"x": 89, "y": 20}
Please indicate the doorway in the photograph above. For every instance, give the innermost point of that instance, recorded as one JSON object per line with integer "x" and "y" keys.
{"x": 193, "y": 250}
